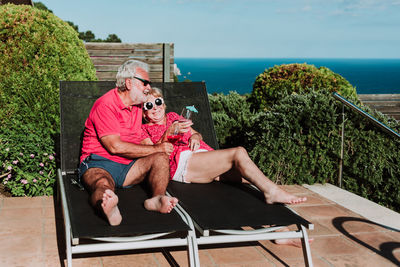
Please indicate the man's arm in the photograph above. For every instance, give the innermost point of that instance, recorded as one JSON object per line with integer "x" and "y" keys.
{"x": 115, "y": 146}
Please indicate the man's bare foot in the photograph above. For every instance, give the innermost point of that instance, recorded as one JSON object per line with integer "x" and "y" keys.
{"x": 292, "y": 242}
{"x": 277, "y": 195}
{"x": 161, "y": 203}
{"x": 110, "y": 208}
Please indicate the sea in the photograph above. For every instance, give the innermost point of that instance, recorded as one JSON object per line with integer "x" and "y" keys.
{"x": 222, "y": 75}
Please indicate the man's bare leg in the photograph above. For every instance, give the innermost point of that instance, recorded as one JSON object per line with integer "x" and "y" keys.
{"x": 161, "y": 203}
{"x": 101, "y": 186}
{"x": 110, "y": 207}
{"x": 236, "y": 160}
{"x": 157, "y": 168}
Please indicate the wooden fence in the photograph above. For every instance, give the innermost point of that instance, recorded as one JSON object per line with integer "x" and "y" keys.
{"x": 107, "y": 57}
{"x": 388, "y": 104}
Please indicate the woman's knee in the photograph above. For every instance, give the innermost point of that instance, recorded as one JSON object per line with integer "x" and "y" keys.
{"x": 241, "y": 152}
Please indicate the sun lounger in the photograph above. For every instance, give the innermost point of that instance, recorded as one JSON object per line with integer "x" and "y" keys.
{"x": 220, "y": 210}
{"x": 85, "y": 231}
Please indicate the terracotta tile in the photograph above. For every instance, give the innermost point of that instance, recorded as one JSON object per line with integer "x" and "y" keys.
{"x": 48, "y": 212}
{"x": 322, "y": 228}
{"x": 50, "y": 245}
{"x": 380, "y": 243}
{"x": 28, "y": 214}
{"x": 313, "y": 199}
{"x": 53, "y": 261}
{"x": 21, "y": 259}
{"x": 353, "y": 225}
{"x": 140, "y": 259}
{"x": 181, "y": 257}
{"x": 289, "y": 256}
{"x": 47, "y": 201}
{"x": 49, "y": 226}
{"x": 371, "y": 260}
{"x": 20, "y": 245}
{"x": 296, "y": 189}
{"x": 10, "y": 228}
{"x": 85, "y": 262}
{"x": 360, "y": 225}
{"x": 22, "y": 202}
{"x": 236, "y": 255}
{"x": 264, "y": 263}
{"x": 161, "y": 260}
{"x": 324, "y": 246}
{"x": 317, "y": 262}
{"x": 323, "y": 212}
{"x": 280, "y": 252}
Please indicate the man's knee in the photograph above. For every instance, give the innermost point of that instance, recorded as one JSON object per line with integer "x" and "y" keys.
{"x": 96, "y": 178}
{"x": 161, "y": 158}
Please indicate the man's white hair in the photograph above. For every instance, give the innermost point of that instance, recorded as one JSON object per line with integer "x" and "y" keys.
{"x": 127, "y": 71}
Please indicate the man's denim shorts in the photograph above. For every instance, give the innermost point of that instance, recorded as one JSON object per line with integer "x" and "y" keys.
{"x": 117, "y": 170}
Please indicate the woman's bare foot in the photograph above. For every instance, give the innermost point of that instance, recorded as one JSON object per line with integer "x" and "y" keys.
{"x": 292, "y": 242}
{"x": 110, "y": 208}
{"x": 161, "y": 203}
{"x": 277, "y": 195}
{"x": 296, "y": 242}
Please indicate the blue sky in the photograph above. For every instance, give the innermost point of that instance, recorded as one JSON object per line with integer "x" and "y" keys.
{"x": 246, "y": 28}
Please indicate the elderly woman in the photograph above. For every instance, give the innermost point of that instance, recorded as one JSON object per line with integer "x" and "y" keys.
{"x": 193, "y": 161}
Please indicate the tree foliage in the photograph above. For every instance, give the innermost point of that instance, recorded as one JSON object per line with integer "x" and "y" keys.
{"x": 87, "y": 36}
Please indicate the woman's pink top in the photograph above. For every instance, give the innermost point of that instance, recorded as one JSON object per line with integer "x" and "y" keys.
{"x": 156, "y": 131}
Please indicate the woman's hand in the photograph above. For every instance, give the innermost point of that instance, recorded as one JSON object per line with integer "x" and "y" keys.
{"x": 179, "y": 127}
{"x": 194, "y": 141}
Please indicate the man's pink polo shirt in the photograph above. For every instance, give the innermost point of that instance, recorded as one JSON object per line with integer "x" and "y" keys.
{"x": 109, "y": 116}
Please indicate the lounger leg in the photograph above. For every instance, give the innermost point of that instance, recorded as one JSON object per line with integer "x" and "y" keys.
{"x": 306, "y": 247}
{"x": 193, "y": 251}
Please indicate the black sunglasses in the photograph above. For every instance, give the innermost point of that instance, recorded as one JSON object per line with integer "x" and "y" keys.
{"x": 149, "y": 105}
{"x": 145, "y": 82}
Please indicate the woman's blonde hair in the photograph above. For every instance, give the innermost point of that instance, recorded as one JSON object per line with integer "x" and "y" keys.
{"x": 156, "y": 92}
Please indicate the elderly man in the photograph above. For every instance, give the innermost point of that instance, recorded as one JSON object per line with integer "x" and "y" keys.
{"x": 111, "y": 154}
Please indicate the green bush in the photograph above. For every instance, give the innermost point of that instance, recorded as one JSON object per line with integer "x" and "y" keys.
{"x": 38, "y": 50}
{"x": 298, "y": 140}
{"x": 277, "y": 82}
{"x": 232, "y": 117}
{"x": 28, "y": 159}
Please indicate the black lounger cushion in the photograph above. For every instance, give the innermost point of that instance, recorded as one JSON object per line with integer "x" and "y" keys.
{"x": 220, "y": 205}
{"x": 85, "y": 223}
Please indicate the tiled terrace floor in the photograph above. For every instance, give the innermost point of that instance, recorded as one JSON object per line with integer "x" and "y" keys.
{"x": 32, "y": 234}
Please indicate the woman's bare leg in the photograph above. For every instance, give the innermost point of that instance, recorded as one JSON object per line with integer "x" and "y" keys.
{"x": 237, "y": 160}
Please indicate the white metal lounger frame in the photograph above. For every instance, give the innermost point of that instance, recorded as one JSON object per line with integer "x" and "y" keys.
{"x": 221, "y": 236}
{"x": 125, "y": 243}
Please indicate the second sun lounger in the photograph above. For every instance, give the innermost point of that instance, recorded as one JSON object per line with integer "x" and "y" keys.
{"x": 220, "y": 210}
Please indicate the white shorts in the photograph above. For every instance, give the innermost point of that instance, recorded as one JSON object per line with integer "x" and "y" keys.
{"x": 184, "y": 157}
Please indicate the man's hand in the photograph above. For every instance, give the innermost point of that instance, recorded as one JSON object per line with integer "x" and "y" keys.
{"x": 165, "y": 147}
